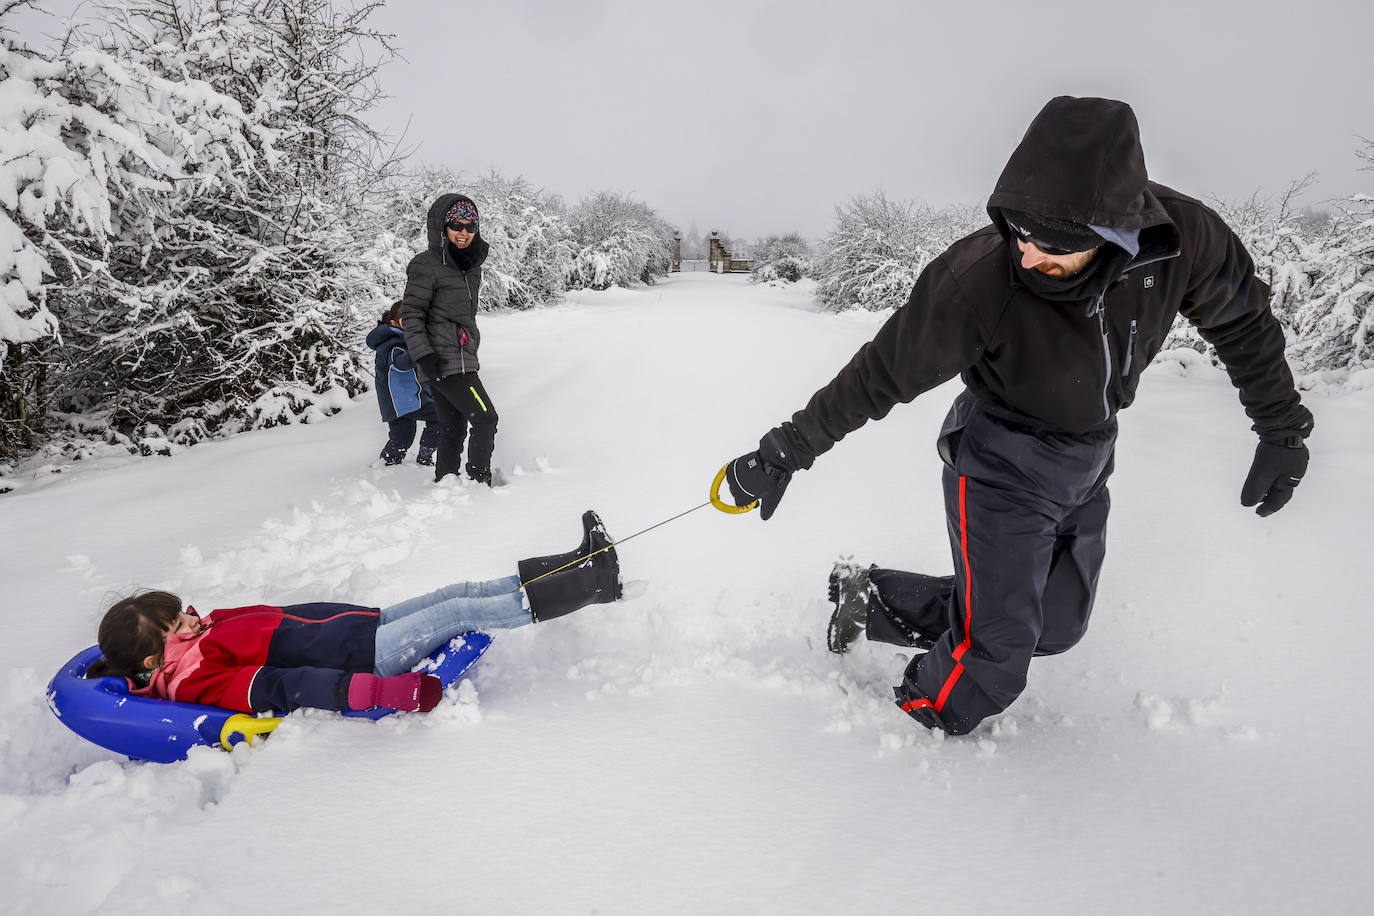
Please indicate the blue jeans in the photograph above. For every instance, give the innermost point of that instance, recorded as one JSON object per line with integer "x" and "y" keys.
{"x": 418, "y": 627}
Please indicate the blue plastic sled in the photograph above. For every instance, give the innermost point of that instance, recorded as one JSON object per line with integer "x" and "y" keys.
{"x": 103, "y": 711}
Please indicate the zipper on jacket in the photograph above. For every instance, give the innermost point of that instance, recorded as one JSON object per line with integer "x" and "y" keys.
{"x": 1130, "y": 351}
{"x": 1101, "y": 311}
{"x": 462, "y": 353}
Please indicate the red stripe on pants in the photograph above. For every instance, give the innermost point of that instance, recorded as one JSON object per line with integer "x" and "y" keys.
{"x": 968, "y": 602}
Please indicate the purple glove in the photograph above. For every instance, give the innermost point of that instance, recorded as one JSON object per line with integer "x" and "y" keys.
{"x": 405, "y": 692}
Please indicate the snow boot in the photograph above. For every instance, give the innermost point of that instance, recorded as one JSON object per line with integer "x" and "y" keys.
{"x": 593, "y": 580}
{"x": 492, "y": 477}
{"x": 849, "y": 589}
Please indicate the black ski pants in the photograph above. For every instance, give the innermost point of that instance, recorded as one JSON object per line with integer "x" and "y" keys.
{"x": 1026, "y": 508}
{"x": 459, "y": 400}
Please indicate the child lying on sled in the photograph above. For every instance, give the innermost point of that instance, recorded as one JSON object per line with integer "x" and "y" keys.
{"x": 337, "y": 656}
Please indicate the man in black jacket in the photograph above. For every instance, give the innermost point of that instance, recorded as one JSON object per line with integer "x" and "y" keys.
{"x": 439, "y": 316}
{"x": 1049, "y": 315}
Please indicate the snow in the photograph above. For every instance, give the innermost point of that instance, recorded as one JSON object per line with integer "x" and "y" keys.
{"x": 1206, "y": 749}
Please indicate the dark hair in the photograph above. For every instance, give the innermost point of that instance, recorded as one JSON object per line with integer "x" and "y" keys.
{"x": 131, "y": 630}
{"x": 392, "y": 314}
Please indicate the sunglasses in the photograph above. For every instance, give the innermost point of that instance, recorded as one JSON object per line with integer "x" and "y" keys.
{"x": 1053, "y": 251}
{"x": 468, "y": 227}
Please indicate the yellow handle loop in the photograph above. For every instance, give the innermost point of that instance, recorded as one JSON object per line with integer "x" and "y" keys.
{"x": 248, "y": 726}
{"x": 721, "y": 504}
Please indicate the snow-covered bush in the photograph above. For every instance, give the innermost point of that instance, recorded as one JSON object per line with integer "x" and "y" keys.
{"x": 781, "y": 257}
{"x": 1285, "y": 245}
{"x": 531, "y": 241}
{"x": 1320, "y": 269}
{"x": 618, "y": 242}
{"x": 93, "y": 143}
{"x": 217, "y": 285}
{"x": 879, "y": 247}
{"x": 1335, "y": 326}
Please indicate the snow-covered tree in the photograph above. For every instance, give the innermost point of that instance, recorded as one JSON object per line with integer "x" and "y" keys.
{"x": 1336, "y": 325}
{"x": 878, "y": 248}
{"x": 1285, "y": 243}
{"x": 1320, "y": 269}
{"x": 91, "y": 142}
{"x": 619, "y": 242}
{"x": 233, "y": 301}
{"x": 693, "y": 244}
{"x": 531, "y": 241}
{"x": 781, "y": 257}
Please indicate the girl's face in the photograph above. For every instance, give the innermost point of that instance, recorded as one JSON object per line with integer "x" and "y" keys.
{"x": 184, "y": 623}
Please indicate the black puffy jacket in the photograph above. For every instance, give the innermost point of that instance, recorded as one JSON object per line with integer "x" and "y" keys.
{"x": 439, "y": 308}
{"x": 1072, "y": 364}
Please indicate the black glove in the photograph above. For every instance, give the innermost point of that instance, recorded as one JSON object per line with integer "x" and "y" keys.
{"x": 764, "y": 475}
{"x": 751, "y": 478}
{"x": 1277, "y": 469}
{"x": 429, "y": 365}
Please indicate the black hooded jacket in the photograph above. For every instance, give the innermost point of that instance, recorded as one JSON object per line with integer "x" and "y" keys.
{"x": 439, "y": 308}
{"x": 1071, "y": 364}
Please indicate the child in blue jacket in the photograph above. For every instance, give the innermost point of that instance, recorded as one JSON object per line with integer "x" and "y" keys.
{"x": 403, "y": 399}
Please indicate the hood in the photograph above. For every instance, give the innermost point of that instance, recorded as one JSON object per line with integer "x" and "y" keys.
{"x": 381, "y": 334}
{"x": 438, "y": 241}
{"x": 1080, "y": 160}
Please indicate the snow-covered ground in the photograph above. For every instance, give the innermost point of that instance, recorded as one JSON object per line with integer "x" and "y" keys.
{"x": 1206, "y": 749}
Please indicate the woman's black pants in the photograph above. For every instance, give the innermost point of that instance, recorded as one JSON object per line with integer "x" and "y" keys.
{"x": 460, "y": 400}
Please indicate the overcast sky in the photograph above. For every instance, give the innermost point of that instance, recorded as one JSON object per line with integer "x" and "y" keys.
{"x": 757, "y": 117}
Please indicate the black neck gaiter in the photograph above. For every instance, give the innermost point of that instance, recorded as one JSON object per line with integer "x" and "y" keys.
{"x": 1085, "y": 285}
{"x": 465, "y": 258}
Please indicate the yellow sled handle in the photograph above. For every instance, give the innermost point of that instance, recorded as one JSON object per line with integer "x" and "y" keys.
{"x": 248, "y": 726}
{"x": 721, "y": 504}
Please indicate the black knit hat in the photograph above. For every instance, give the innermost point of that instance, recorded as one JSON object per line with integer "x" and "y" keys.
{"x": 1050, "y": 232}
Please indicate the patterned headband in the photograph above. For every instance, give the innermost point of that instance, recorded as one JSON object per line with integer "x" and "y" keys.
{"x": 462, "y": 211}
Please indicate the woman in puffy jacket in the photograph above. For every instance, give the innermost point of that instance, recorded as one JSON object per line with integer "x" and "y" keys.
{"x": 439, "y": 316}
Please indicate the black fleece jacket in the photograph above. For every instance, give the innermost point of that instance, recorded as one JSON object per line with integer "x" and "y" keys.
{"x": 1071, "y": 364}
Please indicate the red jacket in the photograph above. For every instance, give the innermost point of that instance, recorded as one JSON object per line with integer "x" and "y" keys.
{"x": 263, "y": 658}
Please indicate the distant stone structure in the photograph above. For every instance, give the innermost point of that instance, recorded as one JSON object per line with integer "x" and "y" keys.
{"x": 721, "y": 261}
{"x": 677, "y": 251}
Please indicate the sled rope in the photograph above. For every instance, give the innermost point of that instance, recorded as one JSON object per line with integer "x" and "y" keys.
{"x": 715, "y": 500}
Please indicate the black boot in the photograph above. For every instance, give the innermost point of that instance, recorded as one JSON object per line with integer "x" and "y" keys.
{"x": 593, "y": 580}
{"x": 479, "y": 474}
{"x": 849, "y": 591}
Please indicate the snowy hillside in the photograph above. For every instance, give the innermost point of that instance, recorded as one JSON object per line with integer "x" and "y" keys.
{"x": 1206, "y": 749}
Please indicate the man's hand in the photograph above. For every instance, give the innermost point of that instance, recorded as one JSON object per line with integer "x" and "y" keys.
{"x": 764, "y": 475}
{"x": 1276, "y": 471}
{"x": 751, "y": 478}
